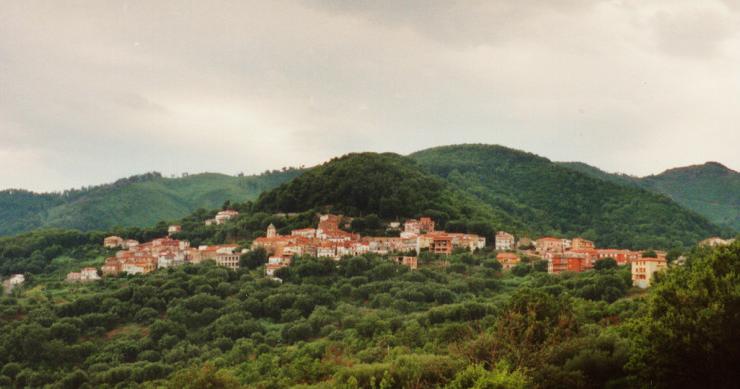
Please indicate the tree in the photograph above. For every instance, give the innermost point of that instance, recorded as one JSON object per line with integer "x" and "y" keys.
{"x": 254, "y": 258}
{"x": 207, "y": 376}
{"x": 492, "y": 264}
{"x": 649, "y": 254}
{"x": 521, "y": 270}
{"x": 605, "y": 264}
{"x": 502, "y": 376}
{"x": 688, "y": 336}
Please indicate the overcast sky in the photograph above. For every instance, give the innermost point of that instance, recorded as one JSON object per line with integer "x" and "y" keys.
{"x": 94, "y": 91}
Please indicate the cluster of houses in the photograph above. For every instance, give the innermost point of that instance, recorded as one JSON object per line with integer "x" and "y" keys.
{"x": 327, "y": 240}
{"x": 142, "y": 258}
{"x": 576, "y": 255}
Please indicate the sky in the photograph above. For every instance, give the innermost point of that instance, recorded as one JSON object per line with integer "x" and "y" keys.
{"x": 92, "y": 91}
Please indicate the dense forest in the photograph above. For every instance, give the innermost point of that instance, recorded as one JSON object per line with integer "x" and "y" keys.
{"x": 555, "y": 200}
{"x": 457, "y": 322}
{"x": 710, "y": 189}
{"x": 137, "y": 201}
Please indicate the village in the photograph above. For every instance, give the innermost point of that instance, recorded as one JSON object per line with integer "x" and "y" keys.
{"x": 329, "y": 240}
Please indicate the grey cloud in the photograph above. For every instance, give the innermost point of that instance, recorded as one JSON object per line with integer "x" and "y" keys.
{"x": 93, "y": 91}
{"x": 695, "y": 32}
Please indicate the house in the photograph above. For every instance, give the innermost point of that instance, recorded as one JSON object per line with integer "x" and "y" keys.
{"x": 441, "y": 244}
{"x": 326, "y": 250}
{"x": 525, "y": 243}
{"x": 426, "y": 225}
{"x": 173, "y": 229}
{"x": 228, "y": 257}
{"x": 224, "y": 216}
{"x": 224, "y": 255}
{"x": 412, "y": 227}
{"x": 112, "y": 242}
{"x": 589, "y": 257}
{"x": 140, "y": 265}
{"x": 328, "y": 222}
{"x": 567, "y": 243}
{"x": 622, "y": 257}
{"x": 549, "y": 244}
{"x": 411, "y": 262}
{"x": 644, "y": 269}
{"x": 507, "y": 260}
{"x": 568, "y": 261}
{"x": 130, "y": 243}
{"x": 308, "y": 233}
{"x": 171, "y": 259}
{"x": 13, "y": 281}
{"x": 504, "y": 241}
{"x": 715, "y": 241}
{"x": 87, "y": 274}
{"x": 275, "y": 263}
{"x": 17, "y": 279}
{"x": 111, "y": 267}
{"x": 580, "y": 244}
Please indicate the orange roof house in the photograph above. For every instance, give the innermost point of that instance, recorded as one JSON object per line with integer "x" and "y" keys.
{"x": 507, "y": 260}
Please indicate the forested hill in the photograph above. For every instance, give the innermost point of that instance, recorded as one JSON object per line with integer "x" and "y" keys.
{"x": 387, "y": 185}
{"x": 712, "y": 189}
{"x": 141, "y": 200}
{"x": 552, "y": 199}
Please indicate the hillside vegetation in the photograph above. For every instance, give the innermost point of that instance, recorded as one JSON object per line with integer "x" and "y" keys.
{"x": 136, "y": 201}
{"x": 551, "y": 199}
{"x": 367, "y": 322}
{"x": 711, "y": 190}
{"x": 387, "y": 185}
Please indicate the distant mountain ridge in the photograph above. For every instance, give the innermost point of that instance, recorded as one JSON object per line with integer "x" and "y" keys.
{"x": 478, "y": 188}
{"x": 710, "y": 189}
{"x": 137, "y": 201}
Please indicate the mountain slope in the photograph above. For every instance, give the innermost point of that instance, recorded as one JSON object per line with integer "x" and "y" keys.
{"x": 553, "y": 199}
{"x": 615, "y": 178}
{"x": 711, "y": 189}
{"x": 387, "y": 185}
{"x": 136, "y": 201}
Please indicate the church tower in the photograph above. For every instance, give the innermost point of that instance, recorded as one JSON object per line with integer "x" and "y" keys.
{"x": 271, "y": 231}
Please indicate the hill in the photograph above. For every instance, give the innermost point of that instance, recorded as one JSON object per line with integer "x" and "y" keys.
{"x": 553, "y": 199}
{"x": 711, "y": 190}
{"x": 135, "y": 201}
{"x": 387, "y": 185}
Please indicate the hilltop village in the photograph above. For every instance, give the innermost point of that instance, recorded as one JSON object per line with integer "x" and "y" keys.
{"x": 329, "y": 240}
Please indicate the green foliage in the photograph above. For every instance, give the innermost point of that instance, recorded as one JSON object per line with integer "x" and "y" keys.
{"x": 535, "y": 196}
{"x": 363, "y": 321}
{"x": 204, "y": 377}
{"x": 136, "y": 201}
{"x": 368, "y": 184}
{"x": 688, "y": 334}
{"x": 254, "y": 258}
{"x": 501, "y": 377}
{"x": 605, "y": 264}
{"x": 711, "y": 190}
